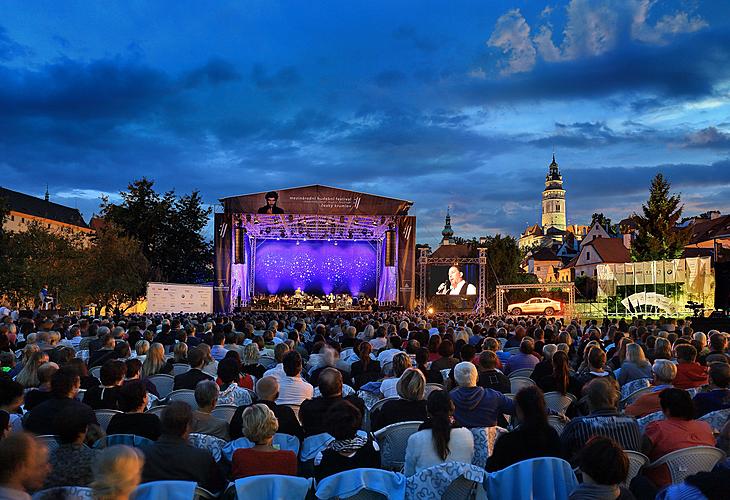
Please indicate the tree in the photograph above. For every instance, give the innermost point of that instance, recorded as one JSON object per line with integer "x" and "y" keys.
{"x": 658, "y": 236}
{"x": 604, "y": 221}
{"x": 169, "y": 230}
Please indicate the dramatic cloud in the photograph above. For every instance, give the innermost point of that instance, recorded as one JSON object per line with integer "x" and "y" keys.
{"x": 512, "y": 36}
{"x": 709, "y": 137}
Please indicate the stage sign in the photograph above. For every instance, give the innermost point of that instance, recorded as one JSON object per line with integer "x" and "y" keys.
{"x": 320, "y": 200}
{"x": 177, "y": 298}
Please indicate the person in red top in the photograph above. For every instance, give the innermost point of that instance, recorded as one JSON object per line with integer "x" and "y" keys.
{"x": 664, "y": 373}
{"x": 259, "y": 426}
{"x": 679, "y": 430}
{"x": 689, "y": 372}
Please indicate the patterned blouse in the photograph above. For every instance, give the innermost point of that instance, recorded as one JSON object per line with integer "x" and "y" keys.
{"x": 71, "y": 466}
{"x": 234, "y": 395}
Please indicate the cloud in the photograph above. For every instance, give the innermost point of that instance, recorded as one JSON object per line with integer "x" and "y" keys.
{"x": 666, "y": 27}
{"x": 709, "y": 137}
{"x": 9, "y": 48}
{"x": 511, "y": 35}
{"x": 214, "y": 72}
{"x": 285, "y": 77}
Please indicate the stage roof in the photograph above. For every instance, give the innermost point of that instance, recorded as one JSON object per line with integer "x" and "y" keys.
{"x": 320, "y": 200}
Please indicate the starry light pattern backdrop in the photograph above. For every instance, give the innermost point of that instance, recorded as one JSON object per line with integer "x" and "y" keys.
{"x": 317, "y": 267}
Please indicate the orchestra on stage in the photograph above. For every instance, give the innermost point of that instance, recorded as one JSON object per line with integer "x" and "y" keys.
{"x": 300, "y": 300}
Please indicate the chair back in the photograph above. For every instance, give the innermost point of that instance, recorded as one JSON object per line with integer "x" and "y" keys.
{"x": 484, "y": 439}
{"x": 284, "y": 441}
{"x": 363, "y": 484}
{"x": 95, "y": 371}
{"x": 633, "y": 396}
{"x": 445, "y": 374}
{"x": 180, "y": 368}
{"x": 435, "y": 483}
{"x": 105, "y": 416}
{"x": 50, "y": 441}
{"x": 717, "y": 419}
{"x": 558, "y": 402}
{"x": 547, "y": 478}
{"x": 164, "y": 383}
{"x": 64, "y": 492}
{"x": 393, "y": 440}
{"x": 167, "y": 490}
{"x": 631, "y": 387}
{"x": 636, "y": 462}
{"x": 512, "y": 350}
{"x": 273, "y": 487}
{"x": 647, "y": 419}
{"x": 224, "y": 412}
{"x": 127, "y": 439}
{"x": 267, "y": 362}
{"x": 517, "y": 383}
{"x": 207, "y": 442}
{"x": 557, "y": 423}
{"x": 185, "y": 395}
{"x": 157, "y": 410}
{"x": 522, "y": 372}
{"x": 688, "y": 461}
{"x": 379, "y": 404}
{"x": 430, "y": 387}
{"x": 80, "y": 395}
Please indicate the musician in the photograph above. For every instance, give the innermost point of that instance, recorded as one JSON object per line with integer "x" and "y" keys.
{"x": 272, "y": 197}
{"x": 46, "y": 299}
{"x": 456, "y": 284}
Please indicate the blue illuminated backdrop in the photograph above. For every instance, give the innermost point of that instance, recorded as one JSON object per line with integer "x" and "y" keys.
{"x": 317, "y": 267}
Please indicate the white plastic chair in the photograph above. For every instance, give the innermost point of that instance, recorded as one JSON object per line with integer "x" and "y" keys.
{"x": 517, "y": 383}
{"x": 125, "y": 439}
{"x": 546, "y": 478}
{"x": 393, "y": 440}
{"x": 484, "y": 439}
{"x": 224, "y": 412}
{"x": 634, "y": 396}
{"x": 717, "y": 419}
{"x": 429, "y": 388}
{"x": 631, "y": 387}
{"x": 267, "y": 362}
{"x": 184, "y": 395}
{"x": 636, "y": 462}
{"x": 95, "y": 371}
{"x": 558, "y": 402}
{"x": 157, "y": 410}
{"x": 163, "y": 382}
{"x": 207, "y": 442}
{"x": 447, "y": 481}
{"x": 65, "y": 492}
{"x": 180, "y": 368}
{"x": 105, "y": 416}
{"x": 512, "y": 350}
{"x": 363, "y": 484}
{"x": 522, "y": 372}
{"x": 647, "y": 419}
{"x": 285, "y": 442}
{"x": 51, "y": 442}
{"x": 557, "y": 423}
{"x": 169, "y": 490}
{"x": 273, "y": 487}
{"x": 688, "y": 461}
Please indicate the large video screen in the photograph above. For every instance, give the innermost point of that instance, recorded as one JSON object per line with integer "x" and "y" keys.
{"x": 317, "y": 267}
{"x": 454, "y": 280}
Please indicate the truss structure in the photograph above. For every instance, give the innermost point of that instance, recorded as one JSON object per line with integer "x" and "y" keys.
{"x": 569, "y": 288}
{"x": 316, "y": 227}
{"x": 425, "y": 260}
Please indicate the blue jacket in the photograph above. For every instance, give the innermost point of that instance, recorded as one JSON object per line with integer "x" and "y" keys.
{"x": 479, "y": 407}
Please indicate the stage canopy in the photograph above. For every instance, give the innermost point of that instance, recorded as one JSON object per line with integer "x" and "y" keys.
{"x": 318, "y": 238}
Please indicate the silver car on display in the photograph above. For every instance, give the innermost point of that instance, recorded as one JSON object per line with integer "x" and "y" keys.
{"x": 536, "y": 305}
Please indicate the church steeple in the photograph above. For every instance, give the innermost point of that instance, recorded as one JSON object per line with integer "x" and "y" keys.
{"x": 447, "y": 233}
{"x": 554, "y": 173}
{"x": 47, "y": 195}
{"x": 553, "y": 199}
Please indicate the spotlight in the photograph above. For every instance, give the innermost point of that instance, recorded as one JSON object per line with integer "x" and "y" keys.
{"x": 335, "y": 242}
{"x": 430, "y": 311}
{"x": 297, "y": 242}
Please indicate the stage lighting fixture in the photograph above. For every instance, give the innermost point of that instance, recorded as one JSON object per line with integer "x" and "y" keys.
{"x": 255, "y": 220}
{"x": 239, "y": 255}
{"x": 335, "y": 242}
{"x": 390, "y": 248}
{"x": 248, "y": 217}
{"x": 297, "y": 242}
{"x": 430, "y": 311}
{"x": 349, "y": 234}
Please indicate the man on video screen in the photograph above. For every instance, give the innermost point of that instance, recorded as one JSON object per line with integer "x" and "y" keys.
{"x": 456, "y": 284}
{"x": 272, "y": 197}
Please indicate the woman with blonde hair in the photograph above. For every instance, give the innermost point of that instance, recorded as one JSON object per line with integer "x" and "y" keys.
{"x": 250, "y": 361}
{"x": 155, "y": 362}
{"x": 662, "y": 349}
{"x": 635, "y": 365}
{"x": 180, "y": 353}
{"x": 410, "y": 405}
{"x": 28, "y": 376}
{"x": 117, "y": 472}
{"x": 141, "y": 348}
{"x": 400, "y": 363}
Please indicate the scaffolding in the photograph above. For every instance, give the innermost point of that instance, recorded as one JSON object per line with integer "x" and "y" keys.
{"x": 425, "y": 260}
{"x": 569, "y": 288}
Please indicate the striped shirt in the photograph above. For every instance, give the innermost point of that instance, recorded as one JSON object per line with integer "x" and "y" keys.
{"x": 609, "y": 423}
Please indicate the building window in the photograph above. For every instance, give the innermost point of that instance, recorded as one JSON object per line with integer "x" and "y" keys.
{"x": 588, "y": 255}
{"x": 22, "y": 220}
{"x": 49, "y": 226}
{"x": 12, "y": 217}
{"x": 557, "y": 207}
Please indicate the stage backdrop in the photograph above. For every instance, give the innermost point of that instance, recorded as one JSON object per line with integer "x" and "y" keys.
{"x": 317, "y": 267}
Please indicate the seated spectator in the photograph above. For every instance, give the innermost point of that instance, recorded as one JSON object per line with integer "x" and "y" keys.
{"x": 635, "y": 365}
{"x": 596, "y": 366}
{"x": 23, "y": 465}
{"x": 409, "y": 407}
{"x": 11, "y": 399}
{"x": 106, "y": 396}
{"x": 438, "y": 440}
{"x": 71, "y": 462}
{"x": 718, "y": 349}
{"x": 690, "y": 373}
{"x": 603, "y": 420}
{"x": 476, "y": 406}
{"x": 259, "y": 426}
{"x": 87, "y": 381}
{"x": 718, "y": 397}
{"x": 28, "y": 375}
{"x": 526, "y": 358}
{"x": 172, "y": 458}
{"x": 349, "y": 450}
{"x": 105, "y": 353}
{"x": 446, "y": 360}
{"x": 189, "y": 380}
{"x": 64, "y": 386}
{"x": 604, "y": 466}
{"x": 489, "y": 376}
{"x": 662, "y": 350}
{"x": 394, "y": 347}
{"x": 401, "y": 362}
{"x": 292, "y": 388}
{"x": 5, "y": 428}
{"x": 365, "y": 369}
{"x": 231, "y": 393}
{"x": 533, "y": 438}
{"x": 141, "y": 348}
{"x": 117, "y": 472}
{"x": 210, "y": 365}
{"x": 267, "y": 390}
{"x": 330, "y": 388}
{"x": 677, "y": 431}
{"x": 134, "y": 420}
{"x": 155, "y": 362}
{"x": 217, "y": 350}
{"x": 250, "y": 361}
{"x": 664, "y": 372}
{"x": 43, "y": 392}
{"x": 545, "y": 366}
{"x": 329, "y": 359}
{"x": 206, "y": 395}
{"x": 560, "y": 379}
{"x": 278, "y": 370}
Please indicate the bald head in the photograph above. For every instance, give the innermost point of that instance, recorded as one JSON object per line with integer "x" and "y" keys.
{"x": 267, "y": 389}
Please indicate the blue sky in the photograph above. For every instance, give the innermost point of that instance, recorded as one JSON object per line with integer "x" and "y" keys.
{"x": 443, "y": 103}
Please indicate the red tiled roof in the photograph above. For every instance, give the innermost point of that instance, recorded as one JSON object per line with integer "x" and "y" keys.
{"x": 452, "y": 251}
{"x": 611, "y": 250}
{"x": 705, "y": 230}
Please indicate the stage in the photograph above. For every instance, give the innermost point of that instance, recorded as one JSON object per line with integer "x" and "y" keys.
{"x": 317, "y": 240}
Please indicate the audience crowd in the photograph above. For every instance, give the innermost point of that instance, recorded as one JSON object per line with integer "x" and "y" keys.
{"x": 214, "y": 398}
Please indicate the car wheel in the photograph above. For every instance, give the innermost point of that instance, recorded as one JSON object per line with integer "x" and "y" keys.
{"x": 549, "y": 311}
{"x": 516, "y": 311}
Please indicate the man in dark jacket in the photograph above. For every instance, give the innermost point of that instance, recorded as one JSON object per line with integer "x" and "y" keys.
{"x": 312, "y": 410}
{"x": 267, "y": 391}
{"x": 190, "y": 379}
{"x": 489, "y": 376}
{"x": 476, "y": 406}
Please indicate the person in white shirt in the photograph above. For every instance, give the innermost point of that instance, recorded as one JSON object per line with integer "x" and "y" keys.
{"x": 437, "y": 442}
{"x": 278, "y": 371}
{"x": 386, "y": 356}
{"x": 401, "y": 362}
{"x": 292, "y": 388}
{"x": 379, "y": 341}
{"x": 456, "y": 284}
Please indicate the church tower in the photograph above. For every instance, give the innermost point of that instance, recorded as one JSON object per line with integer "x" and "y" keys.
{"x": 553, "y": 199}
{"x": 448, "y": 233}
